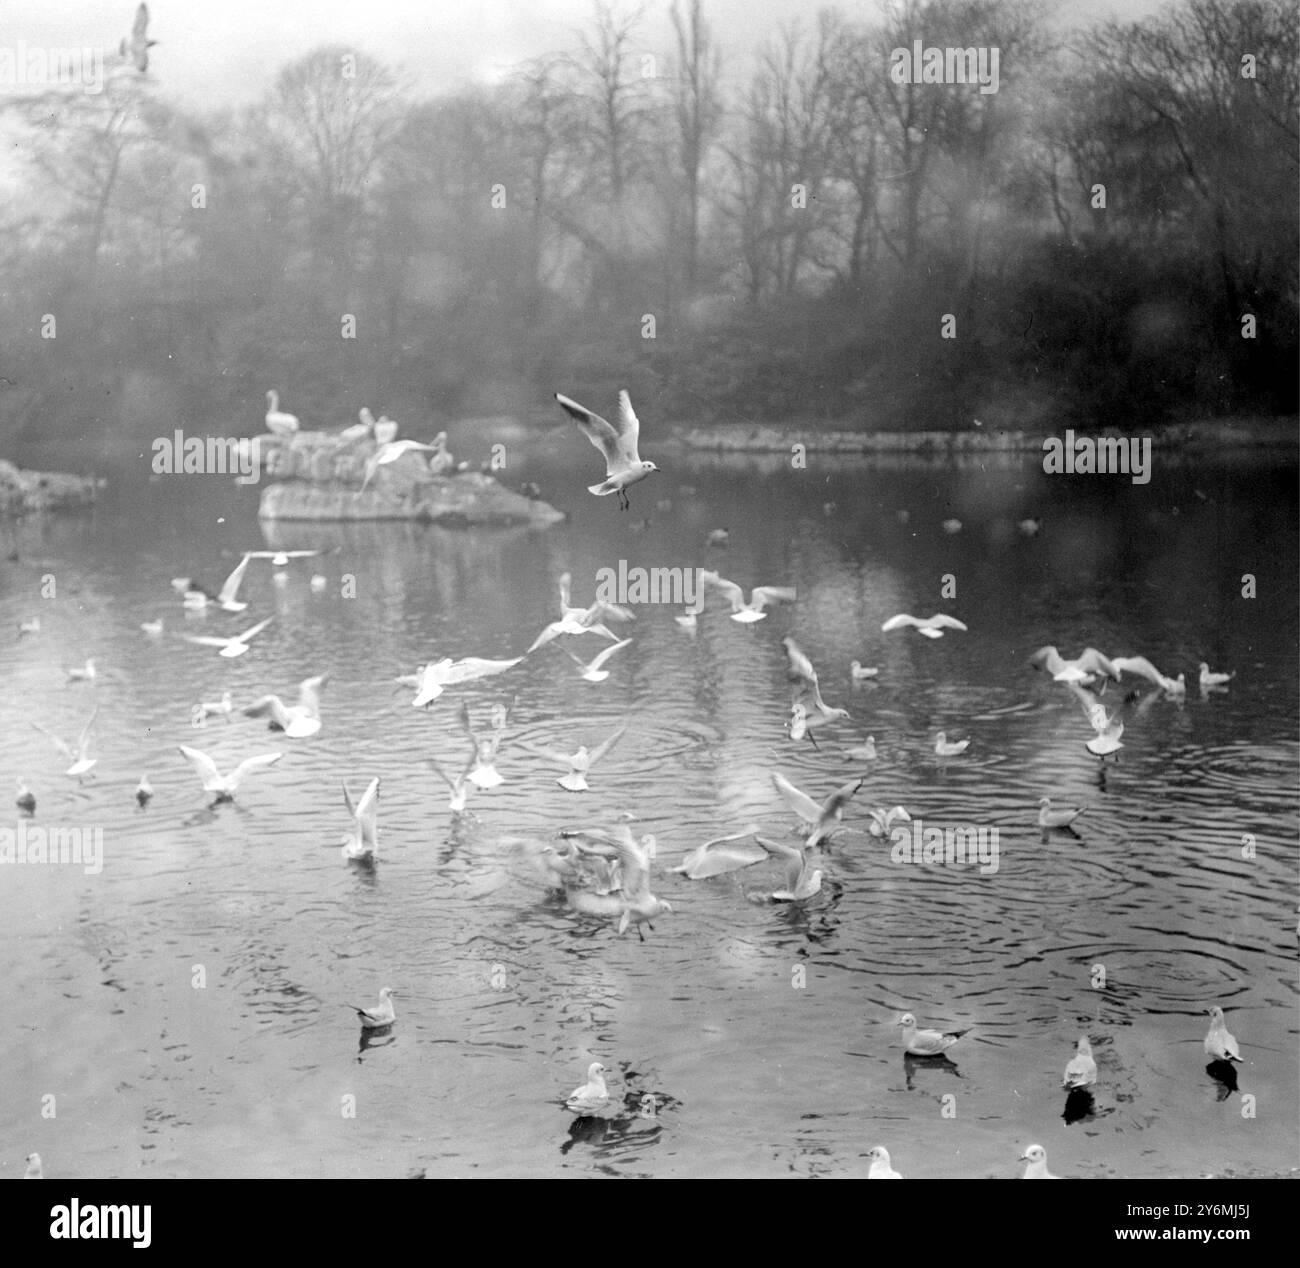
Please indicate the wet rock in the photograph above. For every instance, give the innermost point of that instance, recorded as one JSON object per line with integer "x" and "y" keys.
{"x": 44, "y": 490}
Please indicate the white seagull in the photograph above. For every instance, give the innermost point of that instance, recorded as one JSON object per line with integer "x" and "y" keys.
{"x": 1082, "y": 1069}
{"x": 581, "y": 620}
{"x": 1144, "y": 669}
{"x": 483, "y": 772}
{"x": 1086, "y": 667}
{"x": 230, "y": 647}
{"x": 623, "y": 465}
{"x": 1049, "y": 818}
{"x": 381, "y": 1015}
{"x": 926, "y": 1043}
{"x": 1219, "y": 1044}
{"x": 807, "y": 708}
{"x": 217, "y": 708}
{"x": 635, "y": 904}
{"x": 825, "y": 818}
{"x": 365, "y": 819}
{"x": 946, "y": 748}
{"x": 931, "y": 626}
{"x": 279, "y": 558}
{"x": 225, "y": 786}
{"x": 34, "y": 1171}
{"x": 580, "y": 762}
{"x": 389, "y": 452}
{"x": 1108, "y": 727}
{"x": 460, "y": 786}
{"x": 1210, "y": 679}
{"x": 722, "y": 855}
{"x": 432, "y": 678}
{"x": 225, "y": 600}
{"x": 881, "y": 1168}
{"x": 81, "y": 763}
{"x": 84, "y": 673}
{"x": 297, "y": 721}
{"x": 759, "y": 597}
{"x": 593, "y": 1094}
{"x": 802, "y": 879}
{"x": 277, "y": 420}
{"x": 591, "y": 671}
{"x": 860, "y": 672}
{"x": 1036, "y": 1156}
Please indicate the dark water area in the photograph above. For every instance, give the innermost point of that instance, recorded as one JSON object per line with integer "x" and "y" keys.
{"x": 764, "y": 1031}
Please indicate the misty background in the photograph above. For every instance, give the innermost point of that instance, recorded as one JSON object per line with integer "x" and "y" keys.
{"x": 511, "y": 233}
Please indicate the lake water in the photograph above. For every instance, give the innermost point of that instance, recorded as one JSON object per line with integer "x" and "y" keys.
{"x": 763, "y": 1031}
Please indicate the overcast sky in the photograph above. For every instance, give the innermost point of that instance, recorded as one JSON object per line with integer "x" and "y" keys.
{"x": 226, "y": 52}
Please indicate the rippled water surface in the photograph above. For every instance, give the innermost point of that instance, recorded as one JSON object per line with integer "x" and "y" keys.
{"x": 764, "y": 1031}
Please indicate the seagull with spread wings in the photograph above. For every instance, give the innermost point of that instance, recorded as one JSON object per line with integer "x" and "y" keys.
{"x": 297, "y": 721}
{"x": 579, "y": 763}
{"x": 364, "y": 842}
{"x": 759, "y": 597}
{"x": 197, "y": 597}
{"x": 225, "y": 786}
{"x": 807, "y": 708}
{"x": 235, "y": 646}
{"x": 930, "y": 626}
{"x": 78, "y": 756}
{"x": 623, "y": 465}
{"x": 825, "y": 818}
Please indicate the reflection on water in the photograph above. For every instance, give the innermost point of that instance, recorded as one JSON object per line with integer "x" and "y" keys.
{"x": 188, "y": 1005}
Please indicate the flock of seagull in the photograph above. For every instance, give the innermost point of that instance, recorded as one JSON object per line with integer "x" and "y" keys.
{"x": 605, "y": 871}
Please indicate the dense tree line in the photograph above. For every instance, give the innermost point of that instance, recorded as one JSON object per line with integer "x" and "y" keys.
{"x": 781, "y": 244}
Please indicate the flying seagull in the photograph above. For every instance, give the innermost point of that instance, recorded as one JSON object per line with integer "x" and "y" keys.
{"x": 623, "y": 465}
{"x": 296, "y": 720}
{"x": 137, "y": 45}
{"x": 225, "y": 786}
{"x": 235, "y": 646}
{"x": 931, "y": 626}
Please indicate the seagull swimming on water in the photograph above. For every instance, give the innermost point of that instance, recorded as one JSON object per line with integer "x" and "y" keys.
{"x": 881, "y": 1168}
{"x": 1082, "y": 1069}
{"x": 381, "y": 1015}
{"x": 1036, "y": 1156}
{"x": 225, "y": 786}
{"x": 859, "y": 672}
{"x": 79, "y": 673}
{"x": 230, "y": 647}
{"x": 1219, "y": 1044}
{"x": 623, "y": 465}
{"x": 931, "y": 626}
{"x": 1049, "y": 818}
{"x": 297, "y": 721}
{"x": 593, "y": 1094}
{"x": 946, "y": 748}
{"x": 926, "y": 1043}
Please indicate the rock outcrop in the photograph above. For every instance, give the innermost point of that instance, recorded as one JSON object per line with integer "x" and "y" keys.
{"x": 44, "y": 490}
{"x": 319, "y": 477}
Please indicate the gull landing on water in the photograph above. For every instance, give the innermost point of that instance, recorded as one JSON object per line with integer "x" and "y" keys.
{"x": 802, "y": 880}
{"x": 592, "y": 672}
{"x": 383, "y": 1013}
{"x": 1108, "y": 727}
{"x": 931, "y": 626}
{"x": 365, "y": 819}
{"x": 230, "y": 647}
{"x": 225, "y": 786}
{"x": 635, "y": 904}
{"x": 196, "y": 597}
{"x": 824, "y": 818}
{"x": 461, "y": 785}
{"x": 297, "y": 721}
{"x": 759, "y": 597}
{"x": 483, "y": 772}
{"x": 277, "y": 420}
{"x": 1085, "y": 668}
{"x": 722, "y": 855}
{"x": 623, "y": 465}
{"x": 580, "y": 762}
{"x": 926, "y": 1043}
{"x": 81, "y": 763}
{"x": 807, "y": 708}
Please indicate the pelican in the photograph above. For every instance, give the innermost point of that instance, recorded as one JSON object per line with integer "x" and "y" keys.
{"x": 225, "y": 786}
{"x": 381, "y": 1015}
{"x": 759, "y": 597}
{"x": 931, "y": 626}
{"x": 277, "y": 420}
{"x": 926, "y": 1043}
{"x": 623, "y": 465}
{"x": 365, "y": 822}
{"x": 297, "y": 721}
{"x": 230, "y": 647}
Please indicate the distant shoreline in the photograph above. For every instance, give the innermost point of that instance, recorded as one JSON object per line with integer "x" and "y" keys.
{"x": 1281, "y": 432}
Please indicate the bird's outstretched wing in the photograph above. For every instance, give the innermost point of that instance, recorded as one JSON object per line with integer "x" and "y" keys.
{"x": 251, "y": 764}
{"x": 601, "y": 749}
{"x": 230, "y": 587}
{"x": 598, "y": 430}
{"x": 802, "y": 804}
{"x": 205, "y": 767}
